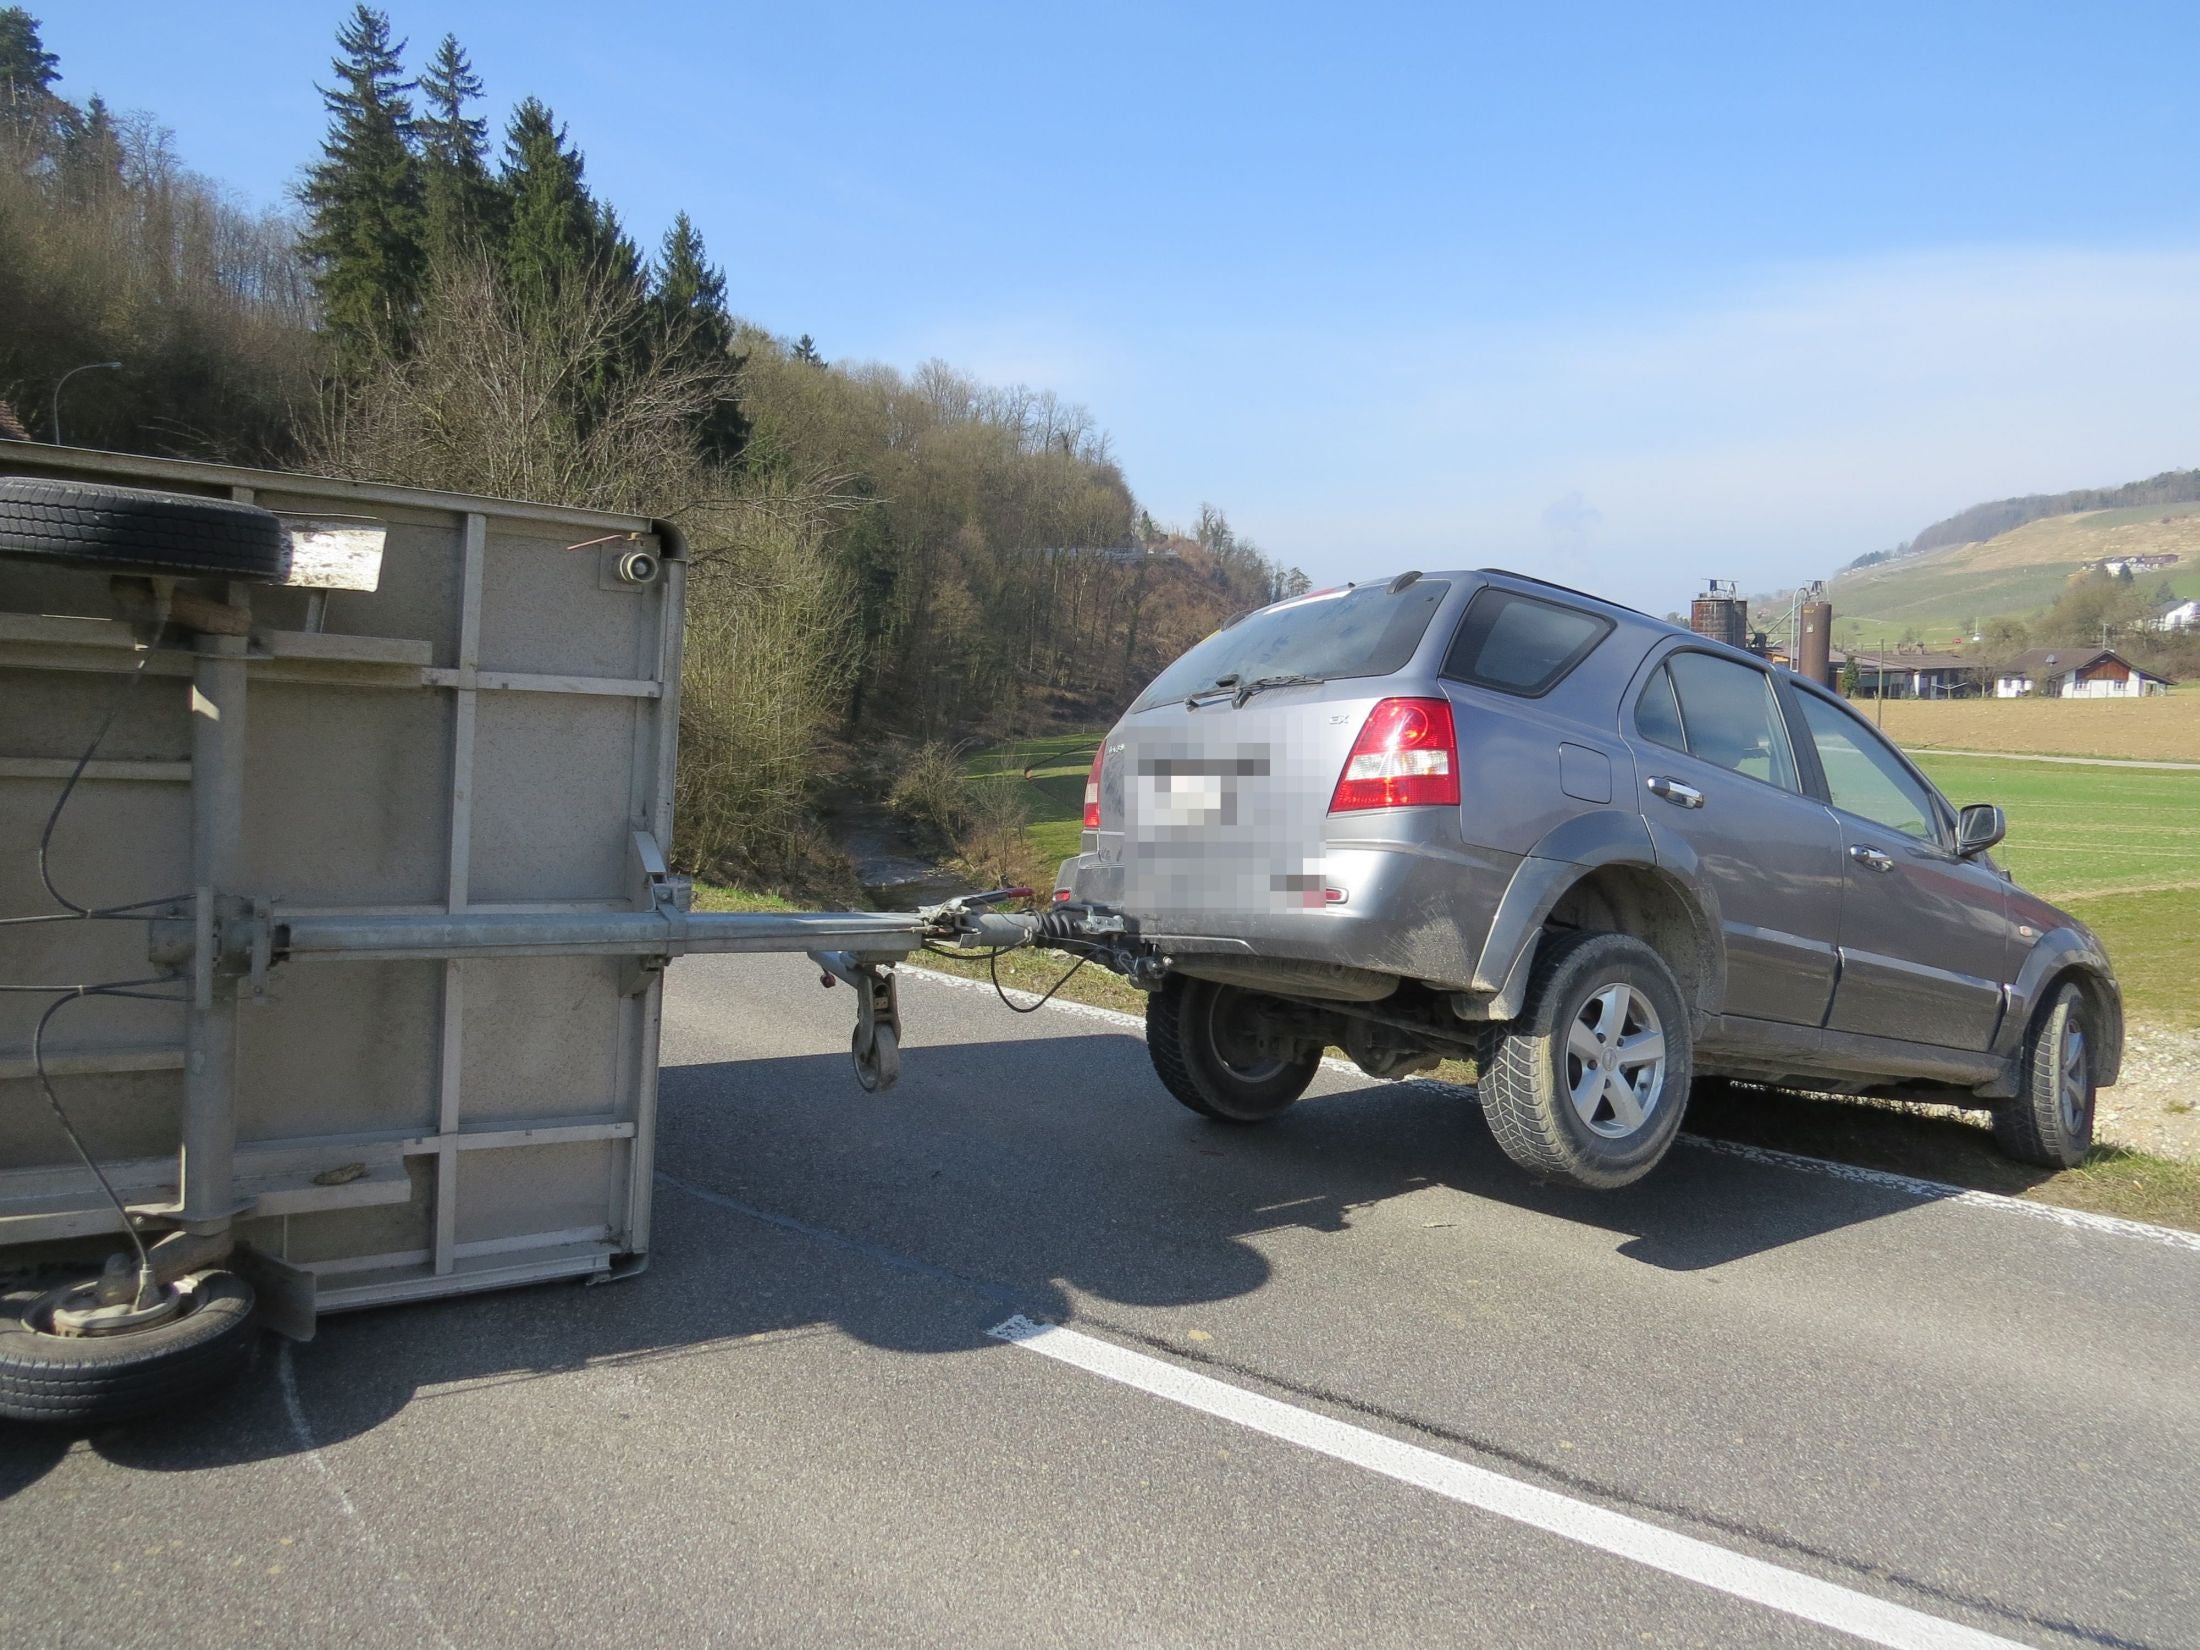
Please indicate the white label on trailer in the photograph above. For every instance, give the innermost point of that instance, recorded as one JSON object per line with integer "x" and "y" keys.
{"x": 335, "y": 554}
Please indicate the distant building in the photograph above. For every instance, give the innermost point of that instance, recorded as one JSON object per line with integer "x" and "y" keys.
{"x": 11, "y": 427}
{"x": 2184, "y": 616}
{"x": 2075, "y": 673}
{"x": 2114, "y": 566}
{"x": 1908, "y": 675}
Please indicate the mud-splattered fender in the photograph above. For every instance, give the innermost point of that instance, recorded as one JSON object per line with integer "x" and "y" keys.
{"x": 1569, "y": 852}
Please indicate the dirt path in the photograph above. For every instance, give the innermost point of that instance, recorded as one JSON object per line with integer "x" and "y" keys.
{"x": 2073, "y": 761}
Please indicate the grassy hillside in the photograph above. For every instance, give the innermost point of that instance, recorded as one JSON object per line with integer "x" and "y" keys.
{"x": 2018, "y": 572}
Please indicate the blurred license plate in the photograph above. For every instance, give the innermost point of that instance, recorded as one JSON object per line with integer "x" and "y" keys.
{"x": 1189, "y": 800}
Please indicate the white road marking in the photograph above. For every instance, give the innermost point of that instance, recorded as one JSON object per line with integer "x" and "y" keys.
{"x": 1937, "y": 1191}
{"x": 1843, "y": 1609}
{"x": 2083, "y": 1220}
{"x": 287, "y": 1376}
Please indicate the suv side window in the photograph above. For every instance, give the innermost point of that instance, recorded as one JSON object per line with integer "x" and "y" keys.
{"x": 1728, "y": 716}
{"x": 1518, "y": 644}
{"x": 1863, "y": 776}
{"x": 1657, "y": 715}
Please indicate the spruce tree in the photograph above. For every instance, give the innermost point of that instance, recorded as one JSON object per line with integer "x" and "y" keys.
{"x": 365, "y": 214}
{"x": 553, "y": 230}
{"x": 690, "y": 320}
{"x": 91, "y": 156}
{"x": 614, "y": 253}
{"x": 460, "y": 198}
{"x": 690, "y": 296}
{"x": 33, "y": 116}
{"x": 560, "y": 247}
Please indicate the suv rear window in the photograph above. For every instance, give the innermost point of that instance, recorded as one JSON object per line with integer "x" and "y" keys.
{"x": 1519, "y": 644}
{"x": 1362, "y": 631}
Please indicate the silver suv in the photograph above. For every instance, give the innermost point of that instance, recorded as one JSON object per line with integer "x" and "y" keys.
{"x": 1475, "y": 814}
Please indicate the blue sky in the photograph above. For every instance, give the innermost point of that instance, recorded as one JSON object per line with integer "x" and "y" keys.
{"x": 1624, "y": 295}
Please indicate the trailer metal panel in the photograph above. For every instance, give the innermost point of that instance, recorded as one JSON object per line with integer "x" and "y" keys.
{"x": 476, "y": 738}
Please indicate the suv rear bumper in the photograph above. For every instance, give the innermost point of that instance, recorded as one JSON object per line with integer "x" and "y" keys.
{"x": 1413, "y": 910}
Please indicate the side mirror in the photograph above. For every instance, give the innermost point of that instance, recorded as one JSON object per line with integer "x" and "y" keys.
{"x": 1978, "y": 828}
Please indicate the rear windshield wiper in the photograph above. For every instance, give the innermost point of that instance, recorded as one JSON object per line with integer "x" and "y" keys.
{"x": 1221, "y": 684}
{"x": 1245, "y": 690}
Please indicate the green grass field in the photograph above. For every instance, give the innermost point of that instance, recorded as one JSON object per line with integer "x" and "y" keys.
{"x": 1056, "y": 793}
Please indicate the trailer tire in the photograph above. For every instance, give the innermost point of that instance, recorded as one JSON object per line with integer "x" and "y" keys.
{"x": 1556, "y": 1090}
{"x": 136, "y": 530}
{"x": 91, "y": 1379}
{"x": 1185, "y": 1040}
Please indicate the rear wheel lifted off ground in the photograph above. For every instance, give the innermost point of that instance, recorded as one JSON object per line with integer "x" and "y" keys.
{"x": 2050, "y": 1122}
{"x": 1206, "y": 1043}
{"x": 1588, "y": 1085}
{"x": 83, "y": 1379}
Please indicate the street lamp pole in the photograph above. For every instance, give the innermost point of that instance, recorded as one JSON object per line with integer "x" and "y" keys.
{"x": 89, "y": 366}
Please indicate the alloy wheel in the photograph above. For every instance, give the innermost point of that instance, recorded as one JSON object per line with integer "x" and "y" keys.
{"x": 1615, "y": 1061}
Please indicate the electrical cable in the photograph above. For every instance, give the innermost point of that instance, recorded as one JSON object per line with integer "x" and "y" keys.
{"x": 64, "y": 995}
{"x": 71, "y": 911}
{"x": 119, "y": 988}
{"x": 993, "y": 968}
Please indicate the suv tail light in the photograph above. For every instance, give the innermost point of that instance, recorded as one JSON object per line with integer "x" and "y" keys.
{"x": 1407, "y": 756}
{"x": 1092, "y": 790}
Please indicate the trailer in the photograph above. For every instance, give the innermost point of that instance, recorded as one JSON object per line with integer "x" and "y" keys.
{"x": 335, "y": 908}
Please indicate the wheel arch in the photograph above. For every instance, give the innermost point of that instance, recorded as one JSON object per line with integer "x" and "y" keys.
{"x": 2067, "y": 956}
{"x": 1600, "y": 871}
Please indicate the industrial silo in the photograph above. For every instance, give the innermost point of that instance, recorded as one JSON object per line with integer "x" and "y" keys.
{"x": 1814, "y": 643}
{"x": 1721, "y": 615}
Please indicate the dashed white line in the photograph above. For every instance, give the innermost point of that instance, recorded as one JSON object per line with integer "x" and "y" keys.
{"x": 1843, "y": 1609}
{"x": 1937, "y": 1191}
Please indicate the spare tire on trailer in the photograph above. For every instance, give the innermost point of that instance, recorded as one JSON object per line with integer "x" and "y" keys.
{"x": 86, "y": 1379}
{"x": 136, "y": 530}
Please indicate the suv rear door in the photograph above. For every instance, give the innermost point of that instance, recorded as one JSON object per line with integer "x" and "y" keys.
{"x": 1925, "y": 942}
{"x": 1724, "y": 799}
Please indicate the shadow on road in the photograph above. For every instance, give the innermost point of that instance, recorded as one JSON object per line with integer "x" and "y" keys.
{"x": 1005, "y": 1176}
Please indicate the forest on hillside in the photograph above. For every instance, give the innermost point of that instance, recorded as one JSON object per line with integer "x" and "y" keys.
{"x": 876, "y": 553}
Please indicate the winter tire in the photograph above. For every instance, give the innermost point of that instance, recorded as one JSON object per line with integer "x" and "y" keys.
{"x": 1589, "y": 1084}
{"x": 2050, "y": 1122}
{"x": 87, "y": 1379}
{"x": 132, "y": 530}
{"x": 1205, "y": 1047}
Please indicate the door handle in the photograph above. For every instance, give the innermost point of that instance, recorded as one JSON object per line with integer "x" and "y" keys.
{"x": 1673, "y": 791}
{"x": 1871, "y": 857}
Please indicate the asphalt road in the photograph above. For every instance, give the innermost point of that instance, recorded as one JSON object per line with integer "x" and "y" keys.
{"x": 1325, "y": 1350}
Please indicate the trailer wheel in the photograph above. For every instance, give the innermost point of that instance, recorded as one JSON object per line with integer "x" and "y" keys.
{"x": 1588, "y": 1085}
{"x": 1207, "y": 1052}
{"x": 85, "y": 1379}
{"x": 135, "y": 530}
